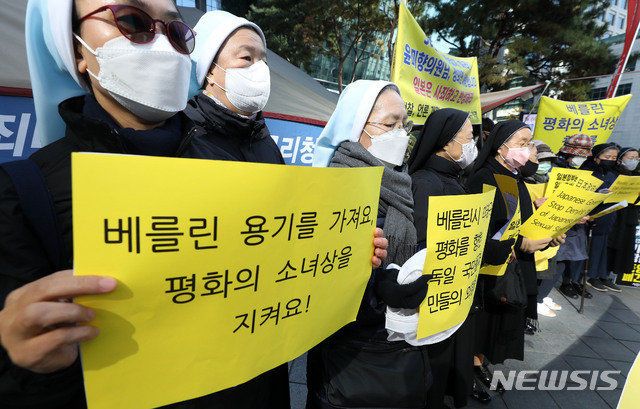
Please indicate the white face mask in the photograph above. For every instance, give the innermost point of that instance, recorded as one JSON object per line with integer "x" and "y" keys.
{"x": 247, "y": 88}
{"x": 390, "y": 146}
{"x": 149, "y": 80}
{"x": 577, "y": 161}
{"x": 630, "y": 164}
{"x": 469, "y": 154}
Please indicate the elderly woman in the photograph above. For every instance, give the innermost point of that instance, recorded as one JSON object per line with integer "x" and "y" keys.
{"x": 443, "y": 150}
{"x": 620, "y": 253}
{"x": 601, "y": 165}
{"x": 500, "y": 326}
{"x": 232, "y": 85}
{"x": 358, "y": 367}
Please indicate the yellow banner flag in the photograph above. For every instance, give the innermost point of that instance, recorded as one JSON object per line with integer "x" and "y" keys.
{"x": 456, "y": 235}
{"x": 571, "y": 177}
{"x": 624, "y": 188}
{"x": 225, "y": 269}
{"x": 562, "y": 210}
{"x": 557, "y": 120}
{"x": 430, "y": 80}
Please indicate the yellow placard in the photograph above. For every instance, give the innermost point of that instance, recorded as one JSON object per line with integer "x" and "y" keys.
{"x": 609, "y": 210}
{"x": 624, "y": 188}
{"x": 508, "y": 186}
{"x": 225, "y": 269}
{"x": 562, "y": 210}
{"x": 536, "y": 190}
{"x": 430, "y": 80}
{"x": 557, "y": 120}
{"x": 631, "y": 393}
{"x": 571, "y": 177}
{"x": 456, "y": 235}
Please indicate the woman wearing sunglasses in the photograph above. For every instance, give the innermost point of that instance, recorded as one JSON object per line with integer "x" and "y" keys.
{"x": 107, "y": 78}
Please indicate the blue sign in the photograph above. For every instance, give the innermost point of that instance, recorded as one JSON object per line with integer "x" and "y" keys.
{"x": 19, "y": 140}
{"x": 17, "y": 128}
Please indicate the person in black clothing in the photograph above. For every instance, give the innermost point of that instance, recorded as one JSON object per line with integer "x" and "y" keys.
{"x": 231, "y": 48}
{"x": 601, "y": 164}
{"x": 443, "y": 150}
{"x": 500, "y": 327}
{"x": 620, "y": 246}
{"x": 358, "y": 367}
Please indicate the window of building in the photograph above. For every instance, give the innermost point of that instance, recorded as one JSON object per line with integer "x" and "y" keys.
{"x": 614, "y": 2}
{"x": 620, "y": 22}
{"x": 598, "y": 93}
{"x": 623, "y": 89}
{"x": 612, "y": 19}
{"x": 623, "y": 4}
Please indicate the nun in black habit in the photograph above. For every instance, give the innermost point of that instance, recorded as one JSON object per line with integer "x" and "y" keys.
{"x": 443, "y": 150}
{"x": 500, "y": 326}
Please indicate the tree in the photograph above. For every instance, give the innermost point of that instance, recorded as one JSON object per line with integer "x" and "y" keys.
{"x": 539, "y": 39}
{"x": 297, "y": 30}
{"x": 391, "y": 9}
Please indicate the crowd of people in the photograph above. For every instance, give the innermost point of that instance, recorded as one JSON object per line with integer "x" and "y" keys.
{"x": 124, "y": 69}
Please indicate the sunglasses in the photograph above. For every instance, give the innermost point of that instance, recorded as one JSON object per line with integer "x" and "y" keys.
{"x": 140, "y": 28}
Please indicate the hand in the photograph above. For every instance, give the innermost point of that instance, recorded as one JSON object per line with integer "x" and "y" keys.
{"x": 584, "y": 220}
{"x": 539, "y": 202}
{"x": 531, "y": 246}
{"x": 558, "y": 240}
{"x": 37, "y": 324}
{"x": 400, "y": 295}
{"x": 380, "y": 252}
{"x": 497, "y": 252}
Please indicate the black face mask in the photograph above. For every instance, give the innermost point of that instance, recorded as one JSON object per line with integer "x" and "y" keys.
{"x": 529, "y": 169}
{"x": 607, "y": 164}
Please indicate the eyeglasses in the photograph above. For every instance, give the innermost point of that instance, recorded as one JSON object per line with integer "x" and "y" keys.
{"x": 408, "y": 127}
{"x": 140, "y": 28}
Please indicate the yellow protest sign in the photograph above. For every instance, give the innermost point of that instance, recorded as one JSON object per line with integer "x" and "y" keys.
{"x": 456, "y": 235}
{"x": 571, "y": 177}
{"x": 562, "y": 210}
{"x": 225, "y": 269}
{"x": 430, "y": 80}
{"x": 609, "y": 210}
{"x": 624, "y": 188}
{"x": 509, "y": 189}
{"x": 536, "y": 190}
{"x": 631, "y": 393}
{"x": 558, "y": 120}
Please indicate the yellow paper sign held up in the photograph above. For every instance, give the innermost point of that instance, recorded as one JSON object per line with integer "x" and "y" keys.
{"x": 571, "y": 177}
{"x": 624, "y": 188}
{"x": 430, "y": 80}
{"x": 631, "y": 393}
{"x": 225, "y": 269}
{"x": 562, "y": 210}
{"x": 609, "y": 210}
{"x": 558, "y": 120}
{"x": 454, "y": 253}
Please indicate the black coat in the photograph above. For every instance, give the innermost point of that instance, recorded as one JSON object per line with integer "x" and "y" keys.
{"x": 438, "y": 178}
{"x": 22, "y": 259}
{"x": 621, "y": 246}
{"x": 244, "y": 140}
{"x": 602, "y": 225}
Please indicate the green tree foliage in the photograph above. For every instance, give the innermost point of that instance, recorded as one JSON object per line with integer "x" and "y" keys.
{"x": 540, "y": 39}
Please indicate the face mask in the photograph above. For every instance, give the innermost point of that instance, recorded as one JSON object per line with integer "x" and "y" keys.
{"x": 517, "y": 157}
{"x": 630, "y": 164}
{"x": 543, "y": 168}
{"x": 149, "y": 80}
{"x": 390, "y": 146}
{"x": 529, "y": 169}
{"x": 607, "y": 164}
{"x": 469, "y": 154}
{"x": 577, "y": 161}
{"x": 247, "y": 88}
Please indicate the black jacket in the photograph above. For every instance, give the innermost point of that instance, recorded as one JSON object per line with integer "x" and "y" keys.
{"x": 602, "y": 225}
{"x": 245, "y": 140}
{"x": 499, "y": 217}
{"x": 438, "y": 178}
{"x": 22, "y": 258}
